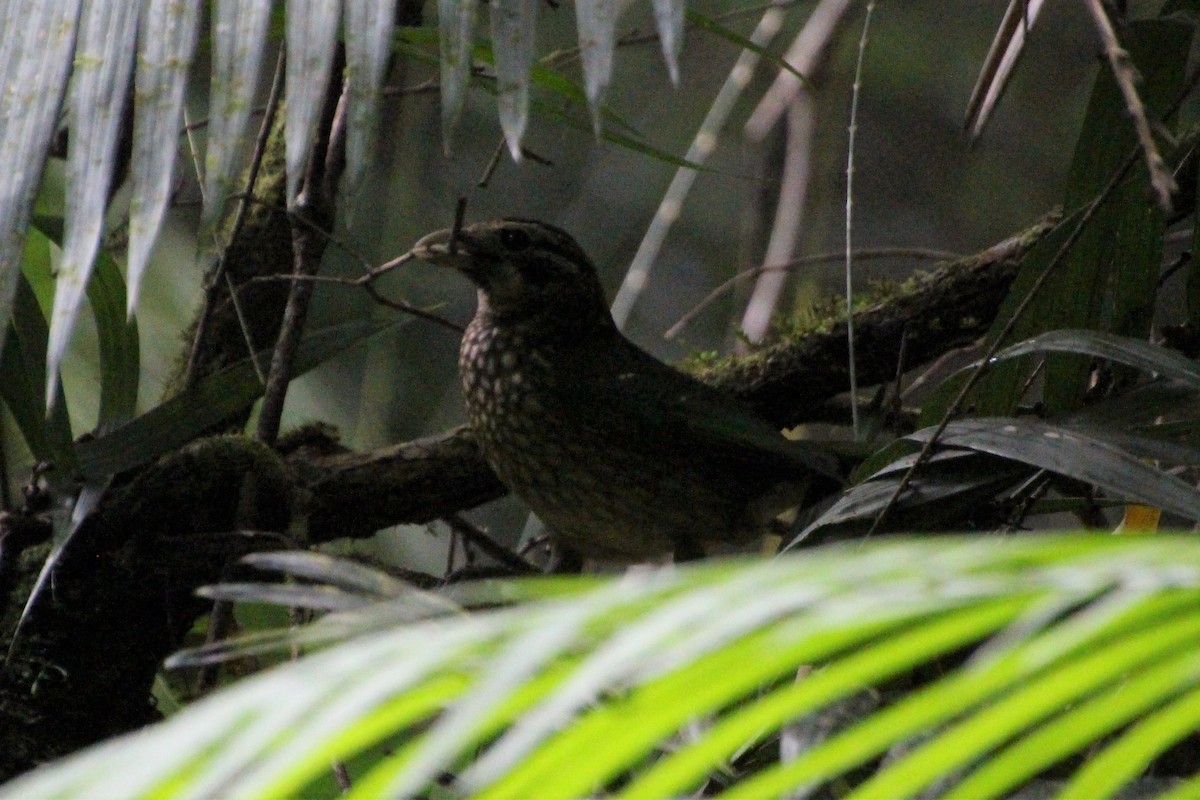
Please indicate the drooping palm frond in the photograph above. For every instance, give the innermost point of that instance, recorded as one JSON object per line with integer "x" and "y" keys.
{"x": 99, "y": 47}
{"x": 649, "y": 683}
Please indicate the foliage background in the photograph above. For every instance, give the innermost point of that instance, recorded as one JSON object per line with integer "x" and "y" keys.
{"x": 920, "y": 183}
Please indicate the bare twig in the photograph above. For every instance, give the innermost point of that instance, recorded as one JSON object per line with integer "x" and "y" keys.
{"x": 6, "y": 502}
{"x": 195, "y": 125}
{"x": 221, "y": 624}
{"x": 315, "y": 200}
{"x": 210, "y": 294}
{"x": 492, "y": 163}
{"x": 492, "y": 548}
{"x": 1002, "y": 56}
{"x": 425, "y": 87}
{"x": 790, "y": 98}
{"x": 342, "y": 776}
{"x": 897, "y": 406}
{"x": 804, "y": 54}
{"x": 460, "y": 212}
{"x": 818, "y": 258}
{"x": 1125, "y": 75}
{"x": 1033, "y": 376}
{"x": 701, "y": 148}
{"x": 365, "y": 282}
{"x": 451, "y": 553}
{"x": 852, "y": 135}
{"x": 788, "y": 219}
{"x": 244, "y": 326}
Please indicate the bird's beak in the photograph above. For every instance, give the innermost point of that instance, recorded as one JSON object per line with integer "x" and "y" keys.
{"x": 435, "y": 248}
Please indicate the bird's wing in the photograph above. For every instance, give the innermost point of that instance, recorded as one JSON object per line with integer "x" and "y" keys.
{"x": 667, "y": 406}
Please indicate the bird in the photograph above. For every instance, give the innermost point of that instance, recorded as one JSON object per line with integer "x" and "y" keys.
{"x": 624, "y": 458}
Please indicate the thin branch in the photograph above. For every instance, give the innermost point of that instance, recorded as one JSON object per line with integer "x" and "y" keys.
{"x": 244, "y": 326}
{"x": 316, "y": 199}
{"x": 852, "y": 136}
{"x": 326, "y": 234}
{"x": 460, "y": 213}
{"x": 6, "y": 502}
{"x": 868, "y": 254}
{"x": 490, "y": 168}
{"x": 897, "y": 405}
{"x": 461, "y": 526}
{"x": 702, "y": 146}
{"x": 1006, "y": 48}
{"x": 805, "y": 54}
{"x": 451, "y": 552}
{"x": 426, "y": 87}
{"x": 1125, "y": 75}
{"x": 365, "y": 282}
{"x": 210, "y": 295}
{"x": 194, "y": 151}
{"x": 800, "y": 126}
{"x": 196, "y": 125}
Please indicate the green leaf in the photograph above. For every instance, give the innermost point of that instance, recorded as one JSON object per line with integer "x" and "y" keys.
{"x": 1080, "y": 726}
{"x": 676, "y": 774}
{"x": 1004, "y": 641}
{"x": 1069, "y": 452}
{"x": 1100, "y": 344}
{"x": 23, "y": 364}
{"x": 1107, "y": 281}
{"x": 120, "y": 364}
{"x": 1123, "y": 759}
{"x": 1031, "y": 701}
{"x": 949, "y": 488}
{"x": 117, "y": 333}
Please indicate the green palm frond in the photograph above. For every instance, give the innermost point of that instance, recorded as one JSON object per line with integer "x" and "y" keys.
{"x": 995, "y": 658}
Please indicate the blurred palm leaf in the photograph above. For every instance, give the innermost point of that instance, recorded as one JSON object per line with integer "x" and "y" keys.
{"x": 1049, "y": 646}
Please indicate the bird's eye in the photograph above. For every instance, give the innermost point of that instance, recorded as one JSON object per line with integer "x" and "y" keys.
{"x": 514, "y": 239}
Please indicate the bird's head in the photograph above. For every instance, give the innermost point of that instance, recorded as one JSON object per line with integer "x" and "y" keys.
{"x": 524, "y": 269}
